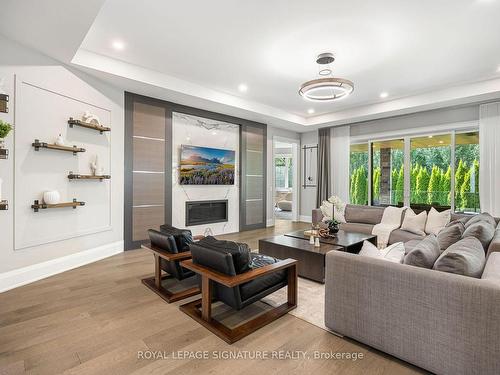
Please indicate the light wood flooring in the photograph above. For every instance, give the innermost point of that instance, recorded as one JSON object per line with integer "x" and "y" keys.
{"x": 95, "y": 319}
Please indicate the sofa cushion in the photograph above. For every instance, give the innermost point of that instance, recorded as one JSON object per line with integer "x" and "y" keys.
{"x": 482, "y": 230}
{"x": 450, "y": 234}
{"x": 481, "y": 217}
{"x": 262, "y": 283}
{"x": 363, "y": 214}
{"x": 393, "y": 253}
{"x": 414, "y": 223}
{"x": 491, "y": 270}
{"x": 240, "y": 252}
{"x": 425, "y": 253}
{"x": 466, "y": 257}
{"x": 437, "y": 221}
{"x": 357, "y": 227}
{"x": 399, "y": 235}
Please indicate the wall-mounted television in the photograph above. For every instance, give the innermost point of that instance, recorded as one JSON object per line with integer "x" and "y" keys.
{"x": 206, "y": 166}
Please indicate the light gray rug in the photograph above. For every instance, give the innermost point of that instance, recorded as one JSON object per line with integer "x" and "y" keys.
{"x": 311, "y": 302}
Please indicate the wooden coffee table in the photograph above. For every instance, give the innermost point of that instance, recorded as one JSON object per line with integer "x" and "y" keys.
{"x": 312, "y": 259}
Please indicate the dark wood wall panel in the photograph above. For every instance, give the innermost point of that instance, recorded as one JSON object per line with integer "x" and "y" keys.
{"x": 149, "y": 155}
{"x": 145, "y": 218}
{"x": 149, "y": 188}
{"x": 149, "y": 120}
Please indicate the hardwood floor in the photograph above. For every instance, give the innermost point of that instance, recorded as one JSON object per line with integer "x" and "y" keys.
{"x": 95, "y": 319}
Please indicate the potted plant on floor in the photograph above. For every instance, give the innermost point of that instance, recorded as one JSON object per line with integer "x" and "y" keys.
{"x": 5, "y": 129}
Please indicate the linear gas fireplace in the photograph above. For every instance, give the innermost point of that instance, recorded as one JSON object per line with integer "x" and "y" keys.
{"x": 206, "y": 212}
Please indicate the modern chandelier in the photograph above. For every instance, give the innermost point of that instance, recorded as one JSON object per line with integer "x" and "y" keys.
{"x": 329, "y": 88}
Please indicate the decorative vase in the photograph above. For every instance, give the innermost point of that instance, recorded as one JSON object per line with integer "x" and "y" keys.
{"x": 51, "y": 197}
{"x": 60, "y": 140}
{"x": 333, "y": 228}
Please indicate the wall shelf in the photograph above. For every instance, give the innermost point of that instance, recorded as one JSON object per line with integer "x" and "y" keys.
{"x": 72, "y": 122}
{"x": 4, "y": 205}
{"x": 38, "y": 145}
{"x": 73, "y": 176}
{"x": 4, "y": 103}
{"x": 4, "y": 153}
{"x": 42, "y": 206}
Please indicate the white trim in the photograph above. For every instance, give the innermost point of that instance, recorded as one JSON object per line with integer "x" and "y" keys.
{"x": 26, "y": 275}
{"x": 270, "y": 223}
{"x": 305, "y": 219}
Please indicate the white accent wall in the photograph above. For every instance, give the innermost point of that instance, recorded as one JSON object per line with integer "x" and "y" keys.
{"x": 197, "y": 131}
{"x": 43, "y": 93}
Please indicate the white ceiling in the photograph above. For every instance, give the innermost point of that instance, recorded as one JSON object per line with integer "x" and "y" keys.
{"x": 425, "y": 53}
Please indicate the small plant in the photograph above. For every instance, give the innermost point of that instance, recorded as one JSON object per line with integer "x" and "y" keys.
{"x": 5, "y": 129}
{"x": 332, "y": 222}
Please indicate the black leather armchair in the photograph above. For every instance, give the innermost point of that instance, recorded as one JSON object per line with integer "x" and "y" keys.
{"x": 230, "y": 273}
{"x": 170, "y": 246}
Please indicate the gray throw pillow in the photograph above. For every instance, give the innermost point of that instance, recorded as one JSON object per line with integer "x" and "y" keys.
{"x": 450, "y": 234}
{"x": 410, "y": 245}
{"x": 481, "y": 217}
{"x": 425, "y": 253}
{"x": 466, "y": 257}
{"x": 482, "y": 230}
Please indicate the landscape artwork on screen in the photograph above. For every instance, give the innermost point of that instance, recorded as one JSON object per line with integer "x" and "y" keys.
{"x": 206, "y": 166}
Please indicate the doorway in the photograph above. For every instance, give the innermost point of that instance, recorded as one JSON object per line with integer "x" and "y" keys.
{"x": 285, "y": 179}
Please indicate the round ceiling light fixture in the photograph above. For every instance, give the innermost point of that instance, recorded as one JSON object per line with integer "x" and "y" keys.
{"x": 329, "y": 88}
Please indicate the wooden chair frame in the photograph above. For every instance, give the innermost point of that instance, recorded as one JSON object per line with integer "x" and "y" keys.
{"x": 154, "y": 283}
{"x": 208, "y": 276}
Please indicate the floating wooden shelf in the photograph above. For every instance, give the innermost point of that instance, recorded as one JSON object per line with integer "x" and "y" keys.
{"x": 73, "y": 176}
{"x": 72, "y": 122}
{"x": 4, "y": 103}
{"x": 4, "y": 153}
{"x": 42, "y": 206}
{"x": 38, "y": 145}
{"x": 4, "y": 205}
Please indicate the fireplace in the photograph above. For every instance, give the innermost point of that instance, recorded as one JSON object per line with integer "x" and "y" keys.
{"x": 206, "y": 212}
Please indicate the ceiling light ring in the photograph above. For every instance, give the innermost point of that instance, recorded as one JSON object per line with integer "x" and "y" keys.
{"x": 345, "y": 87}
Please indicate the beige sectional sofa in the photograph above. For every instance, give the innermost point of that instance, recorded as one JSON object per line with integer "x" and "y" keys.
{"x": 442, "y": 322}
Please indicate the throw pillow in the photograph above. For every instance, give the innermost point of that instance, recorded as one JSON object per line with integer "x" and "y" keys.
{"x": 482, "y": 230}
{"x": 425, "y": 253}
{"x": 450, "y": 235}
{"x": 414, "y": 223}
{"x": 392, "y": 216}
{"x": 393, "y": 253}
{"x": 410, "y": 245}
{"x": 437, "y": 221}
{"x": 481, "y": 217}
{"x": 466, "y": 257}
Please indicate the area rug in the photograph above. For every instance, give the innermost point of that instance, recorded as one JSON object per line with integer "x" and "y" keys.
{"x": 311, "y": 302}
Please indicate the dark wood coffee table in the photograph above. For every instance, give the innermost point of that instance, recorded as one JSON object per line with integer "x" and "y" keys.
{"x": 352, "y": 242}
{"x": 311, "y": 259}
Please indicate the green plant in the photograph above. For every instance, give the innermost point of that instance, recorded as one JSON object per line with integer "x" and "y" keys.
{"x": 5, "y": 129}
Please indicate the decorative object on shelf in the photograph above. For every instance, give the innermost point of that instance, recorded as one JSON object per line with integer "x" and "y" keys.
{"x": 73, "y": 176}
{"x": 72, "y": 122}
{"x": 42, "y": 206}
{"x": 90, "y": 118}
{"x": 96, "y": 168}
{"x": 4, "y": 205}
{"x": 60, "y": 140}
{"x": 329, "y": 88}
{"x": 51, "y": 197}
{"x": 38, "y": 145}
{"x": 310, "y": 165}
{"x": 5, "y": 129}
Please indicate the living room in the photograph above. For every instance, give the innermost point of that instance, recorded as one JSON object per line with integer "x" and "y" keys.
{"x": 228, "y": 187}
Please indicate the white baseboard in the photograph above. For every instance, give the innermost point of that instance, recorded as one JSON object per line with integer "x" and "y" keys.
{"x": 305, "y": 219}
{"x": 26, "y": 275}
{"x": 269, "y": 222}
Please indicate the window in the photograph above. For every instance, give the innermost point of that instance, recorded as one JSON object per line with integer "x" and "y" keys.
{"x": 388, "y": 172}
{"x": 443, "y": 171}
{"x": 467, "y": 172}
{"x": 358, "y": 167}
{"x": 284, "y": 171}
{"x": 430, "y": 173}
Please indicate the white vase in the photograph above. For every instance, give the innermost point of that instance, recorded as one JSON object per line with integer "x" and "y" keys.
{"x": 60, "y": 140}
{"x": 51, "y": 197}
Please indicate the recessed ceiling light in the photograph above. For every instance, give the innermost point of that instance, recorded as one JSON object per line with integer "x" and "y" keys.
{"x": 242, "y": 87}
{"x": 310, "y": 111}
{"x": 118, "y": 45}
{"x": 384, "y": 95}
